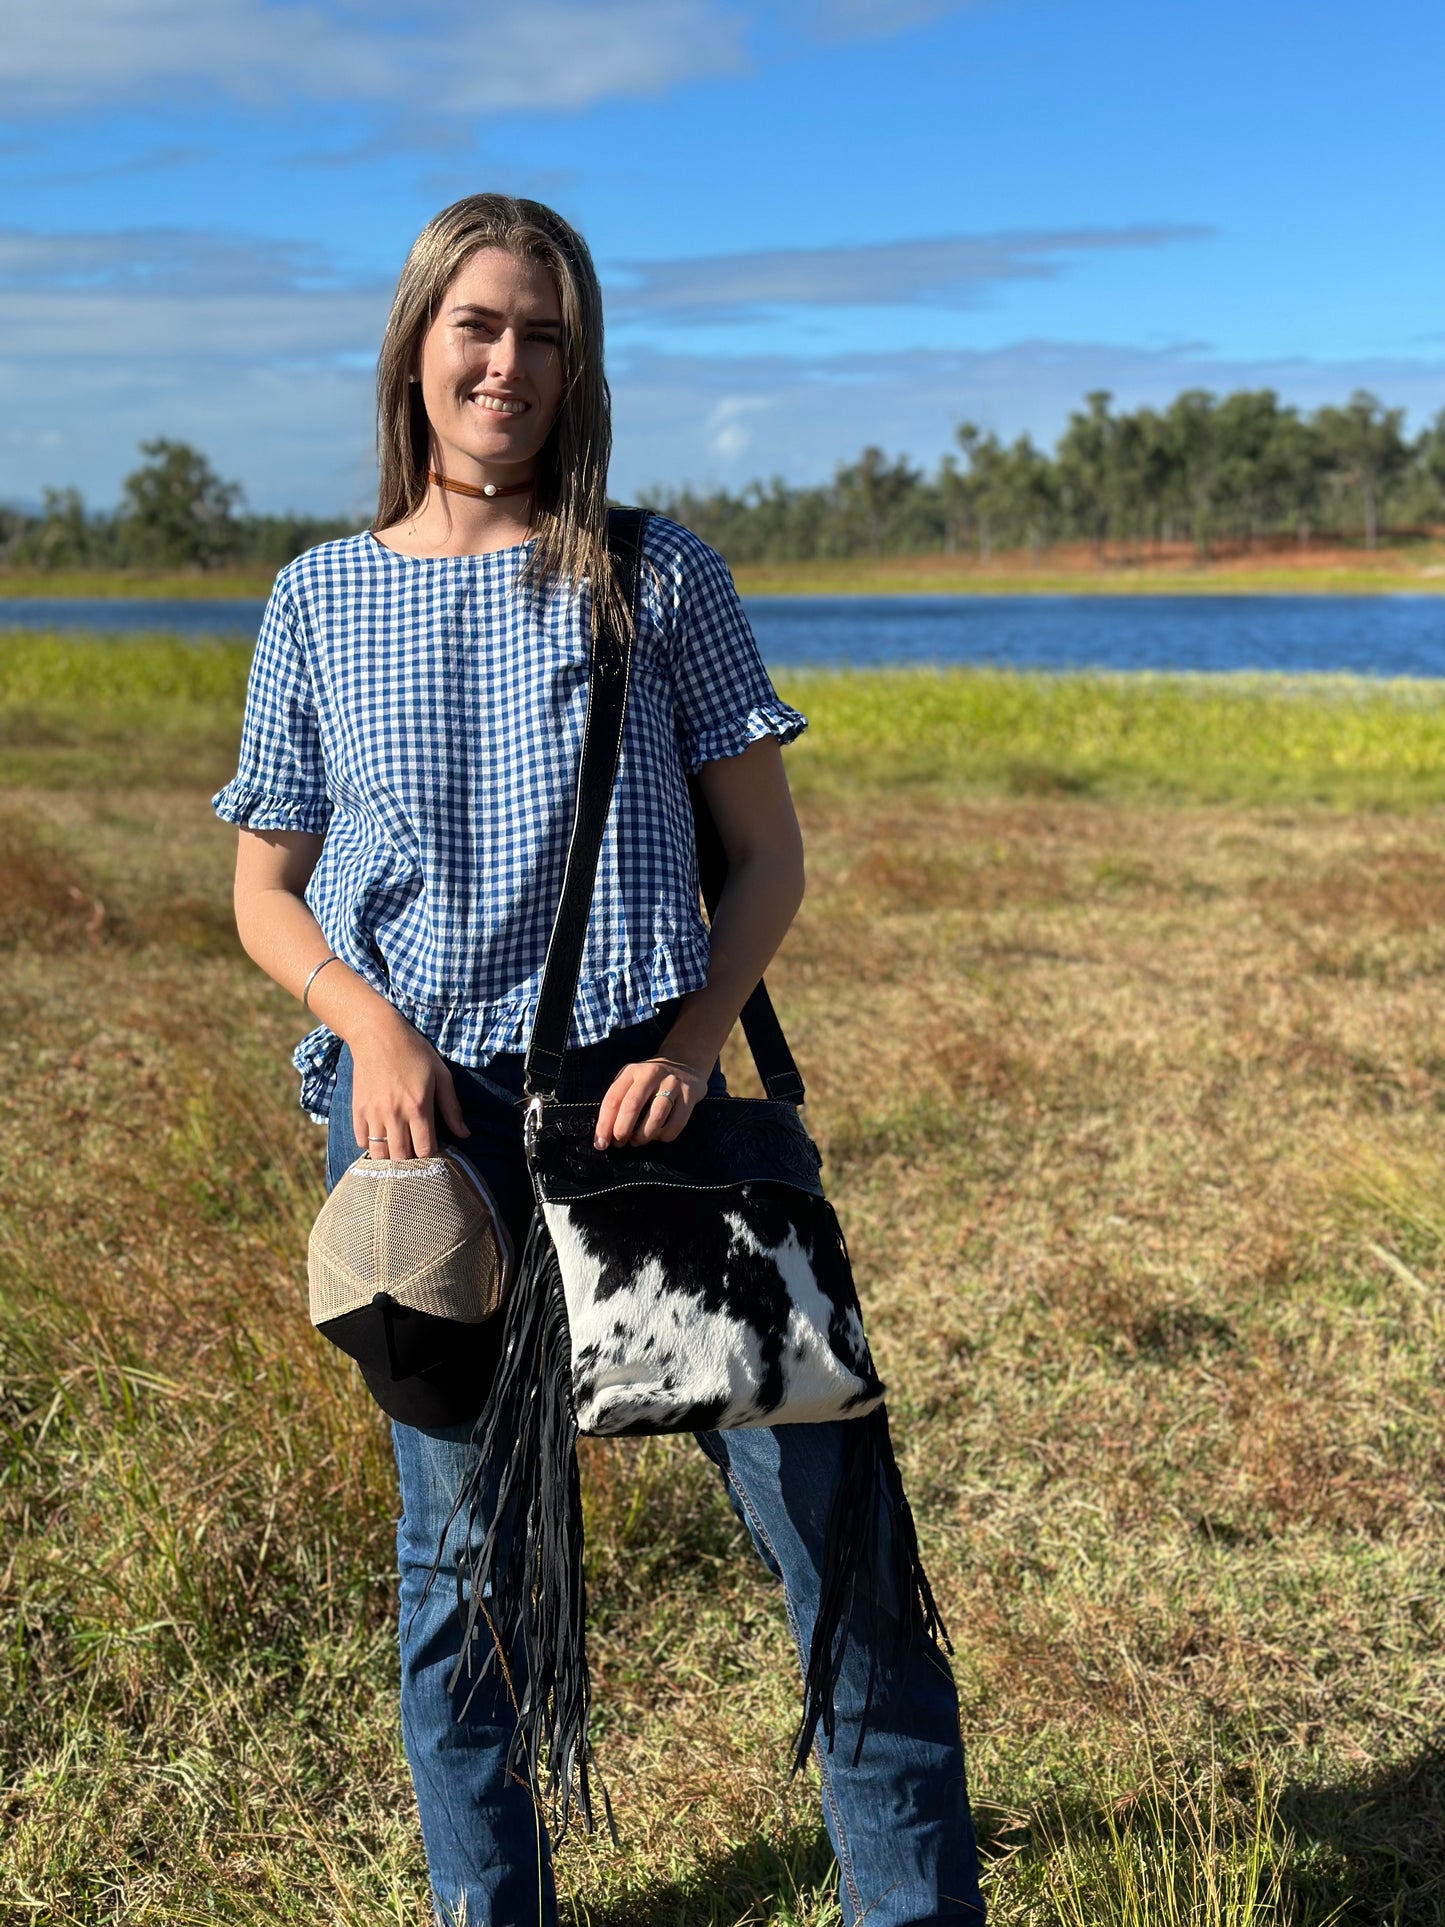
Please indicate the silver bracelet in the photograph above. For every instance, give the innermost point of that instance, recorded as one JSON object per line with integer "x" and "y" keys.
{"x": 331, "y": 957}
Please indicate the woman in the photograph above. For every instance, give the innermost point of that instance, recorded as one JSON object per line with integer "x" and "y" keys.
{"x": 404, "y": 797}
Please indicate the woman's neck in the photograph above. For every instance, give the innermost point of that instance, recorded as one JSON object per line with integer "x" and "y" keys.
{"x": 452, "y": 524}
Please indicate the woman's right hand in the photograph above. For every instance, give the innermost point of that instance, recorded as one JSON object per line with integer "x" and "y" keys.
{"x": 399, "y": 1087}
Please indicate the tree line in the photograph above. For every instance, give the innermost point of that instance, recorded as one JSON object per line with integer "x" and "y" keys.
{"x": 1207, "y": 470}
{"x": 175, "y": 512}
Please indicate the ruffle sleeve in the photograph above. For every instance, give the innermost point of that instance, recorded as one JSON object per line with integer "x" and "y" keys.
{"x": 725, "y": 699}
{"x": 280, "y": 780}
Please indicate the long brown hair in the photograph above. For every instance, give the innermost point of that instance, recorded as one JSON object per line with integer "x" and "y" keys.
{"x": 569, "y": 505}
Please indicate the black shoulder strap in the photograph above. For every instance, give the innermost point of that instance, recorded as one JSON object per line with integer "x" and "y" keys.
{"x": 608, "y": 679}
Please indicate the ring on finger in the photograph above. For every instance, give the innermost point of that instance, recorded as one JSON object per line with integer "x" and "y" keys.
{"x": 670, "y": 1095}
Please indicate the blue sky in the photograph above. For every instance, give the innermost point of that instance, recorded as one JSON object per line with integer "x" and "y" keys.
{"x": 820, "y": 224}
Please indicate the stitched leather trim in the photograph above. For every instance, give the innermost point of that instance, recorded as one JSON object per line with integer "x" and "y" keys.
{"x": 728, "y": 1141}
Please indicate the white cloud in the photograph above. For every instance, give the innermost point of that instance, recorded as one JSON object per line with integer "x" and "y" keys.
{"x": 175, "y": 261}
{"x": 97, "y": 332}
{"x": 728, "y": 435}
{"x": 162, "y": 292}
{"x": 153, "y": 295}
{"x": 433, "y": 57}
{"x": 945, "y": 271}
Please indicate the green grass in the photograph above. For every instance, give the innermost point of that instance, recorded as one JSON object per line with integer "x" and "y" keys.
{"x": 90, "y": 682}
{"x": 1253, "y": 739}
{"x": 69, "y": 704}
{"x": 188, "y": 585}
{"x": 73, "y": 709}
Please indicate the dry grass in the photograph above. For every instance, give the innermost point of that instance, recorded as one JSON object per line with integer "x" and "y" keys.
{"x": 1134, "y": 1114}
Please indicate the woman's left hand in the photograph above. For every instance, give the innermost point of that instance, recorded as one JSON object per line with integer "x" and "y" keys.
{"x": 648, "y": 1101}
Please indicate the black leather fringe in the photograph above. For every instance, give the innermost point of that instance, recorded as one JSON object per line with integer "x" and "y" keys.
{"x": 531, "y": 1552}
{"x": 869, "y": 1510}
{"x": 526, "y": 1588}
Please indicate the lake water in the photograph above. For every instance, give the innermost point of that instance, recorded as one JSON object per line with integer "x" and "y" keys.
{"x": 1392, "y": 635}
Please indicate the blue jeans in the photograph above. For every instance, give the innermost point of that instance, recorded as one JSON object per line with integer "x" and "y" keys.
{"x": 899, "y": 1819}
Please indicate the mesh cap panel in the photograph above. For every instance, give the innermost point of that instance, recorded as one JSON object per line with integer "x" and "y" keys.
{"x": 424, "y": 1230}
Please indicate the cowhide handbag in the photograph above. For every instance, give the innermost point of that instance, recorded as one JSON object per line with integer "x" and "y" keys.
{"x": 664, "y": 1288}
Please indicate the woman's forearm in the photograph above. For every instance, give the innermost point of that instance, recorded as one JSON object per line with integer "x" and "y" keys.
{"x": 758, "y": 903}
{"x": 279, "y": 932}
{"x": 399, "y": 1083}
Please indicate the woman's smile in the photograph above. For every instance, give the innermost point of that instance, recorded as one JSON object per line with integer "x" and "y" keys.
{"x": 490, "y": 369}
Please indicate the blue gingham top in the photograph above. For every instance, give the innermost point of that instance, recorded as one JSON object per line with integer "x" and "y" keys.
{"x": 425, "y": 714}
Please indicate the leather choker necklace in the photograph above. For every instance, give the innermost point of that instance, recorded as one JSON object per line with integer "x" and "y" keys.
{"x": 485, "y": 493}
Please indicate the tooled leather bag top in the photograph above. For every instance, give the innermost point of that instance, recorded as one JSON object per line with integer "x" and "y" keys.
{"x": 727, "y": 1141}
